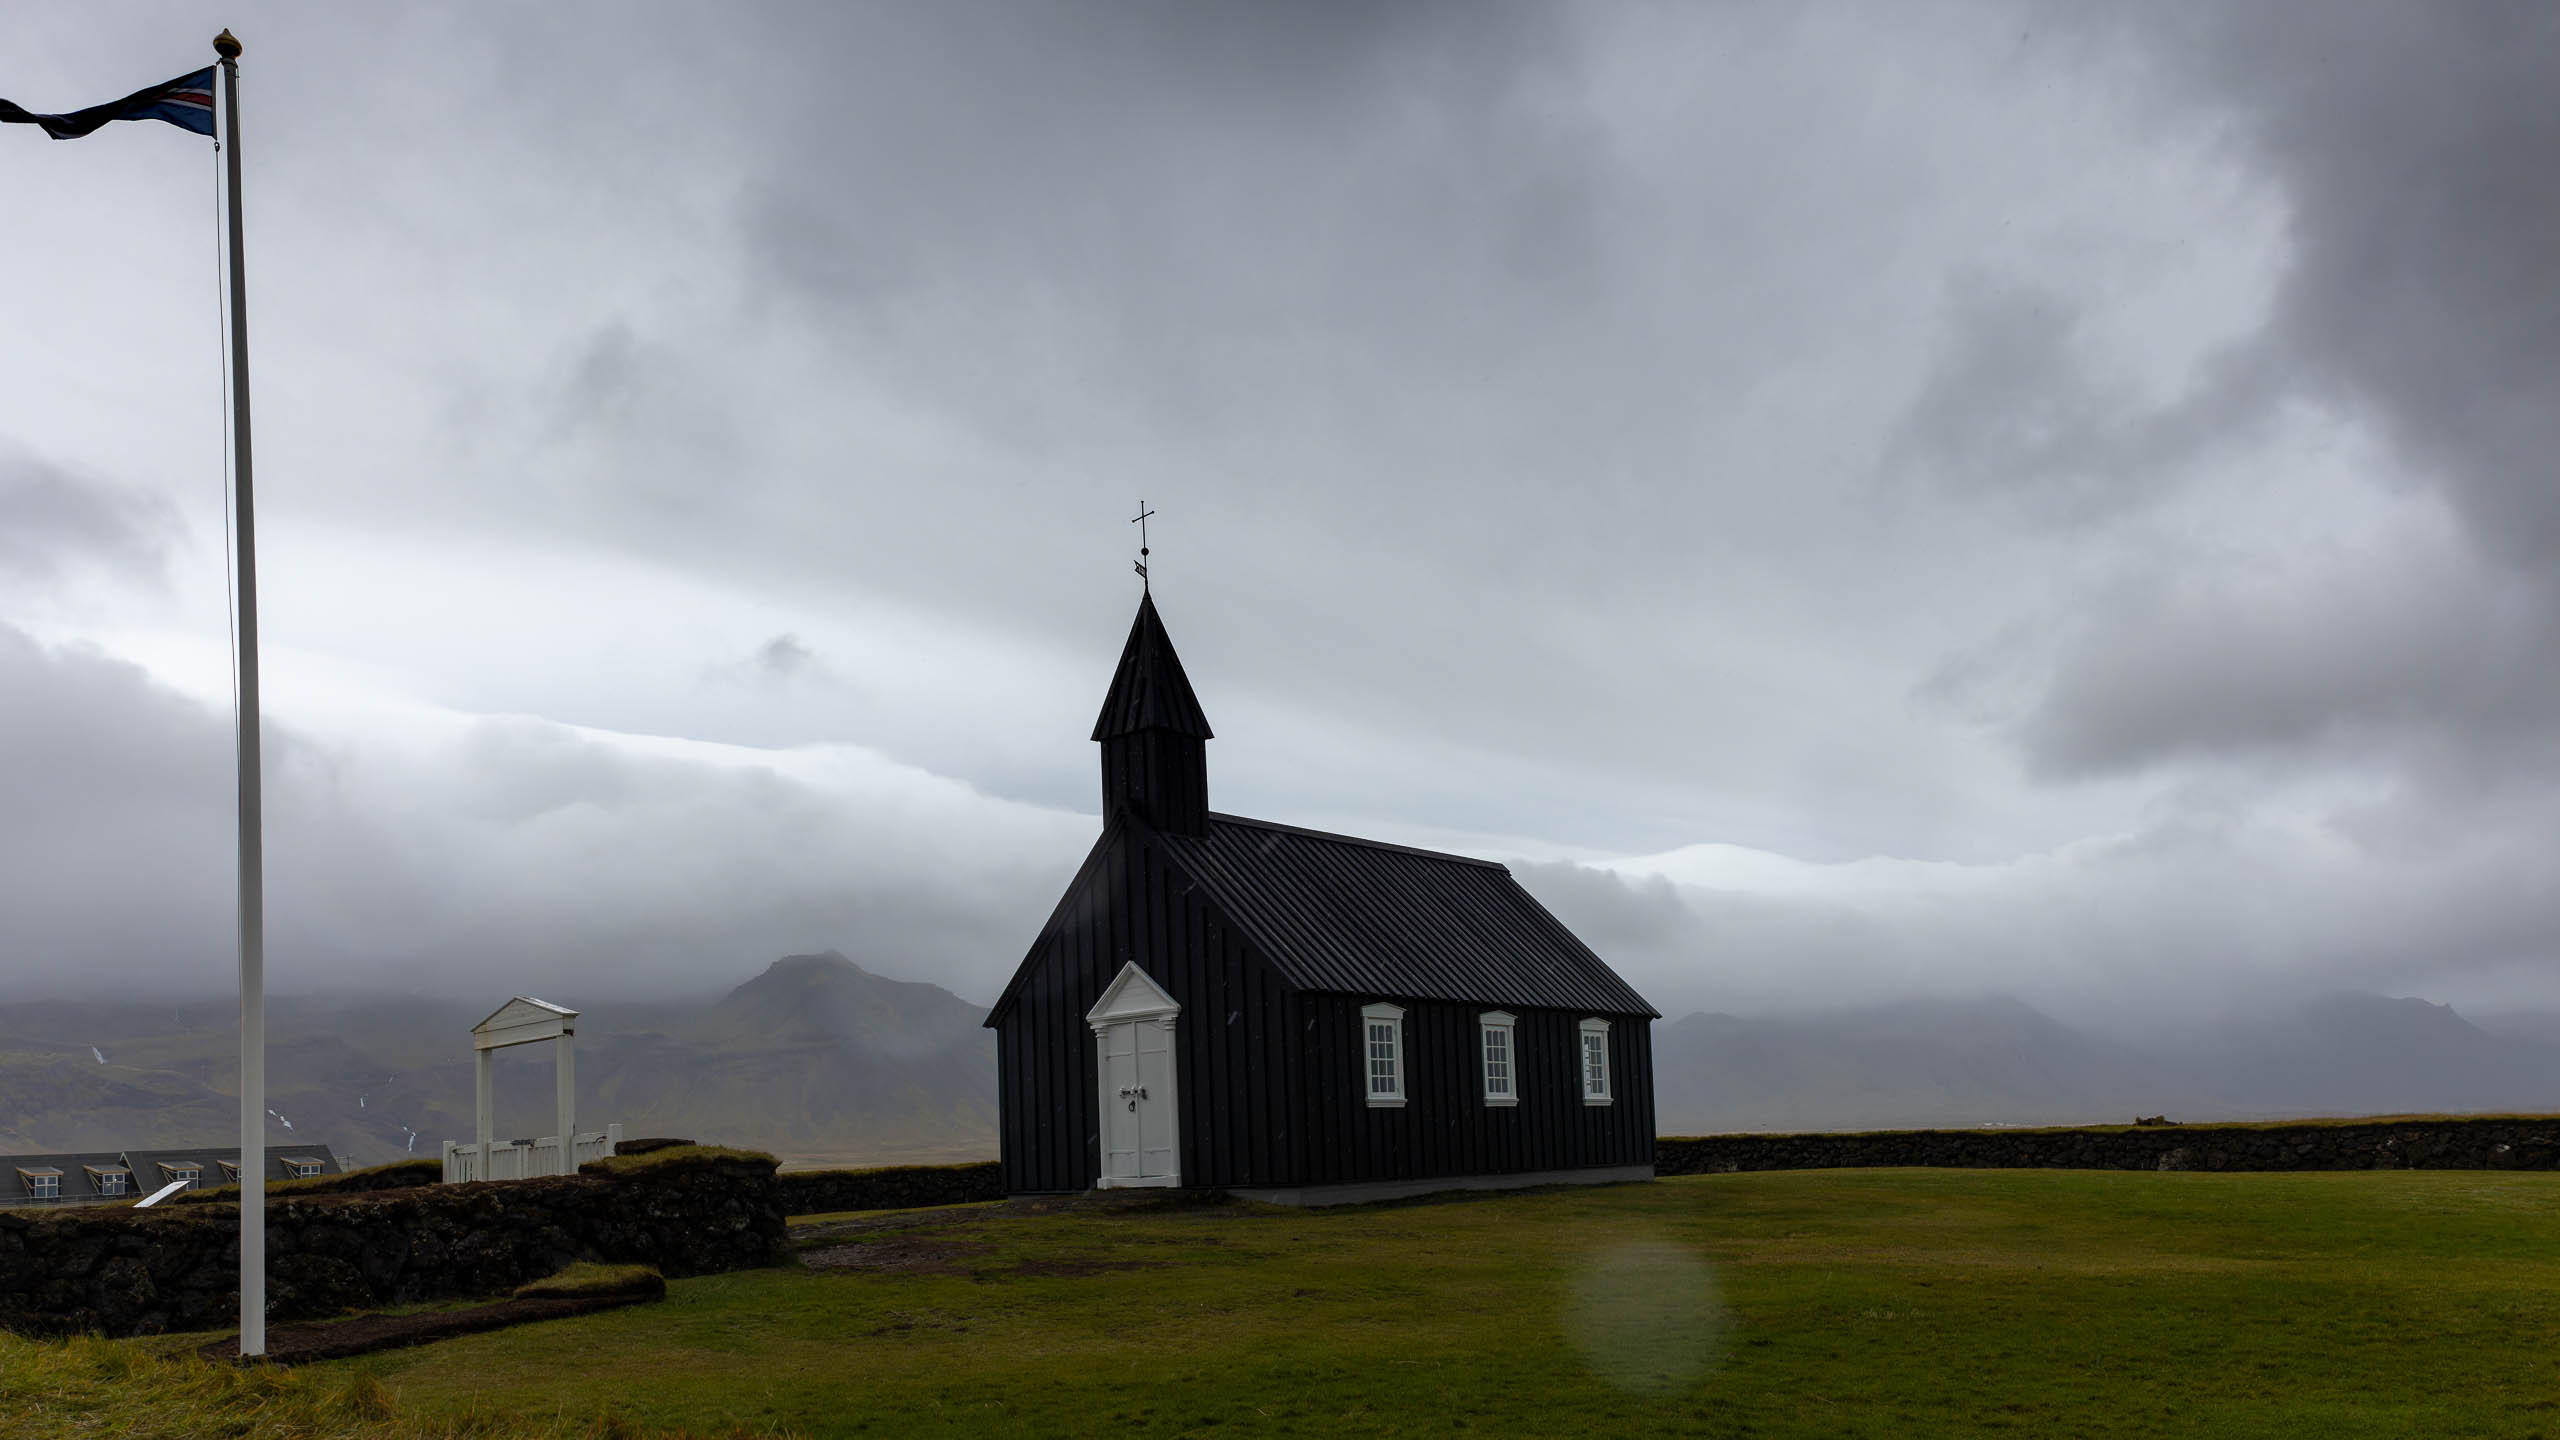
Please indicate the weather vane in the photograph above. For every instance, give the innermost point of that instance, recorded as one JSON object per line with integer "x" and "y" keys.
{"x": 1141, "y": 523}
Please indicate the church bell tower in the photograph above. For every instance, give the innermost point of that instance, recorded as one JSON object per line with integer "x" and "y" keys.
{"x": 1153, "y": 735}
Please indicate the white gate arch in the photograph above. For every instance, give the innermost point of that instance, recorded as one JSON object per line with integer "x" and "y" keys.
{"x": 525, "y": 1021}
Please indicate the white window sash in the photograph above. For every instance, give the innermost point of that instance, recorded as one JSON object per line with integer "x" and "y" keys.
{"x": 1594, "y": 1062}
{"x": 1498, "y": 1056}
{"x": 1382, "y": 1055}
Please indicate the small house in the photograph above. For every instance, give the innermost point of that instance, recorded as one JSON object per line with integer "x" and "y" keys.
{"x": 1298, "y": 1016}
{"x": 95, "y": 1177}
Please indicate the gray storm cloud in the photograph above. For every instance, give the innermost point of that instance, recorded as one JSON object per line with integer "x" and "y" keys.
{"x": 503, "y": 852}
{"x": 2104, "y": 457}
{"x": 2420, "y": 298}
{"x": 52, "y": 521}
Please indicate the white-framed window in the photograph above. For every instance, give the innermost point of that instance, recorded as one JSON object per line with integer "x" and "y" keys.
{"x": 1382, "y": 1052}
{"x": 1595, "y": 1062}
{"x": 300, "y": 1168}
{"x": 108, "y": 1179}
{"x": 1500, "y": 1046}
{"x": 42, "y": 1184}
{"x": 182, "y": 1171}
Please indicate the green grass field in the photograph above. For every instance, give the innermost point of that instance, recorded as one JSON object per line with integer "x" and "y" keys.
{"x": 1833, "y": 1303}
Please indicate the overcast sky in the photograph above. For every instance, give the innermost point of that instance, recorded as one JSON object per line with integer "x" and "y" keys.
{"x": 1853, "y": 501}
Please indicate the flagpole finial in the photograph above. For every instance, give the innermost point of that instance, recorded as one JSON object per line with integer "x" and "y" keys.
{"x": 226, "y": 45}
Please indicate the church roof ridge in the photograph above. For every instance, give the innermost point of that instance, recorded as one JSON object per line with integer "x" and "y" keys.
{"x": 1341, "y": 839}
{"x": 1336, "y": 914}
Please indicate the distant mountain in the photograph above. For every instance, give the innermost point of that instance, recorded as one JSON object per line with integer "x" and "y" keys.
{"x": 828, "y": 1000}
{"x": 817, "y": 1057}
{"x": 46, "y": 1097}
{"x": 820, "y": 1058}
{"x": 1997, "y": 1061}
{"x": 1923, "y": 1062}
{"x": 81, "y": 1076}
{"x": 2367, "y": 1054}
{"x": 2540, "y": 1027}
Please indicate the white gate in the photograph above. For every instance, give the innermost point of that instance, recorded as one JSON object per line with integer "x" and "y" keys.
{"x": 525, "y": 1159}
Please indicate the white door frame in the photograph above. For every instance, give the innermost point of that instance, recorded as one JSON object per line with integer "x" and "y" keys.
{"x": 1134, "y": 998}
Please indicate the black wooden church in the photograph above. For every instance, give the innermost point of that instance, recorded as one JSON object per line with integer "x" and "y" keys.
{"x": 1299, "y": 1016}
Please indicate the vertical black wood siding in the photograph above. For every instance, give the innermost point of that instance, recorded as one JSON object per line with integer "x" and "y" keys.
{"x": 1230, "y": 1045}
{"x": 1273, "y": 1084}
{"x": 1164, "y": 774}
{"x": 1444, "y": 1127}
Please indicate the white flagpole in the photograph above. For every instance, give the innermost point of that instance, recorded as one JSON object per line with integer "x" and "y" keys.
{"x": 253, "y": 918}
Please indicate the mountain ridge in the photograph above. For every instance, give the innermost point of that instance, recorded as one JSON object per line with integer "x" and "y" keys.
{"x": 817, "y": 1057}
{"x": 1996, "y": 1060}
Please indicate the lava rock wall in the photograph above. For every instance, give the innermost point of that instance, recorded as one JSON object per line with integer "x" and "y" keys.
{"x": 116, "y": 1270}
{"x": 2488, "y": 1143}
{"x": 903, "y": 1187}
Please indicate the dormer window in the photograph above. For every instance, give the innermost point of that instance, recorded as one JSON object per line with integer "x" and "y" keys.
{"x": 185, "y": 1172}
{"x": 1501, "y": 1057}
{"x": 1382, "y": 1050}
{"x": 230, "y": 1171}
{"x": 1595, "y": 1062}
{"x": 41, "y": 1182}
{"x": 300, "y": 1167}
{"x": 109, "y": 1179}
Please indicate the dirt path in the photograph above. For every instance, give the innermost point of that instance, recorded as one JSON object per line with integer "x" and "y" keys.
{"x": 338, "y": 1339}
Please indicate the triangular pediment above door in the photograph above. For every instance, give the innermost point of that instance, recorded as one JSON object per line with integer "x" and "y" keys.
{"x": 1132, "y": 995}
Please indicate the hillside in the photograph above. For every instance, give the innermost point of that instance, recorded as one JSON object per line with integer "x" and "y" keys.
{"x": 817, "y": 1057}
{"x": 1998, "y": 1061}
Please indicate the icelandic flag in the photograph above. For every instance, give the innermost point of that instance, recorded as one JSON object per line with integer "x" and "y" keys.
{"x": 186, "y": 102}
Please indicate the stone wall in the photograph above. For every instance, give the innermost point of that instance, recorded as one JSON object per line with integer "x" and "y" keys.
{"x": 903, "y": 1187}
{"x": 117, "y": 1270}
{"x": 2489, "y": 1143}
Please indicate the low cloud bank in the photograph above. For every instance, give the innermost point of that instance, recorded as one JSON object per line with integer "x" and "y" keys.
{"x": 481, "y": 854}
{"x": 463, "y": 855}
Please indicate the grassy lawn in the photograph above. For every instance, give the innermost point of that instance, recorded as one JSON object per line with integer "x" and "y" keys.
{"x": 1835, "y": 1303}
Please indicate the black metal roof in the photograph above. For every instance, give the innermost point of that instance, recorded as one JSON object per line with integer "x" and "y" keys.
{"x": 1339, "y": 914}
{"x": 144, "y": 1167}
{"x": 1149, "y": 691}
{"x": 213, "y": 1158}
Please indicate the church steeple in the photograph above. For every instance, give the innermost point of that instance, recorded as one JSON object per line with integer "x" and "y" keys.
{"x": 1151, "y": 731}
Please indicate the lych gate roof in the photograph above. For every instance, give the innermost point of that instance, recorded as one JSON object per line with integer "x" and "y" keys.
{"x": 1333, "y": 913}
{"x": 1149, "y": 691}
{"x": 523, "y": 1010}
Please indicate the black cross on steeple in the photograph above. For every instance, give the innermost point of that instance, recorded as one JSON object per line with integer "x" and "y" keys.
{"x": 1141, "y": 523}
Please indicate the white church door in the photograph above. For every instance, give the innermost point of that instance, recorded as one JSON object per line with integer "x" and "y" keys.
{"x": 1133, "y": 1029}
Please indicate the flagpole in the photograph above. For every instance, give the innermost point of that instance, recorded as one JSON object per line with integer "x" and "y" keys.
{"x": 253, "y": 918}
